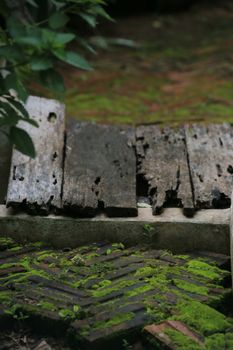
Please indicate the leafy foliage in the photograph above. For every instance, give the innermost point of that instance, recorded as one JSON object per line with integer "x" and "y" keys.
{"x": 34, "y": 35}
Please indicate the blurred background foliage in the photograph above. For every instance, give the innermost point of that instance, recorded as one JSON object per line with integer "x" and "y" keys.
{"x": 34, "y": 36}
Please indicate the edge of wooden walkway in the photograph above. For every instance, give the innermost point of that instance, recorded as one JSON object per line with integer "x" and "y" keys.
{"x": 208, "y": 230}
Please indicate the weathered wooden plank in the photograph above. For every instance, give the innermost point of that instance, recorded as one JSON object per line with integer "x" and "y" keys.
{"x": 210, "y": 151}
{"x": 5, "y": 162}
{"x": 162, "y": 164}
{"x": 100, "y": 170}
{"x": 35, "y": 184}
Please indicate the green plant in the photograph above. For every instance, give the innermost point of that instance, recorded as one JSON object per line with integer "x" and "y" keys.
{"x": 34, "y": 36}
{"x": 148, "y": 231}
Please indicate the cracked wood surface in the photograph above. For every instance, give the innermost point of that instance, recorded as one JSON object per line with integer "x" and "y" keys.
{"x": 100, "y": 170}
{"x": 210, "y": 150}
{"x": 162, "y": 161}
{"x": 35, "y": 184}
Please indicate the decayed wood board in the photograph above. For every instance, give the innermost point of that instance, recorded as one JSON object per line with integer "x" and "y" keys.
{"x": 100, "y": 170}
{"x": 5, "y": 161}
{"x": 35, "y": 184}
{"x": 162, "y": 162}
{"x": 210, "y": 151}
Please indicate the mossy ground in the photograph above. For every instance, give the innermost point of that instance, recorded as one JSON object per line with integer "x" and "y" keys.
{"x": 181, "y": 71}
{"x": 96, "y": 290}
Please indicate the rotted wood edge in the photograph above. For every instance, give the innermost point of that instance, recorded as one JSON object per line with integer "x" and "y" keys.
{"x": 208, "y": 230}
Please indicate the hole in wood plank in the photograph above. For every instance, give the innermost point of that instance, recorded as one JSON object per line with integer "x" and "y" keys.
{"x": 97, "y": 180}
{"x": 55, "y": 155}
{"x": 172, "y": 200}
{"x": 221, "y": 201}
{"x": 220, "y": 141}
{"x": 52, "y": 117}
{"x": 200, "y": 177}
{"x": 230, "y": 169}
{"x": 101, "y": 205}
{"x": 219, "y": 170}
{"x": 142, "y": 186}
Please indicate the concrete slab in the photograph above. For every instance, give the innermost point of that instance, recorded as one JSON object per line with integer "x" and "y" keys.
{"x": 208, "y": 230}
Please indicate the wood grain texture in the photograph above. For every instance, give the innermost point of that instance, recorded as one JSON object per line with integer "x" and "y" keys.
{"x": 210, "y": 150}
{"x": 162, "y": 163}
{"x": 100, "y": 170}
{"x": 5, "y": 162}
{"x": 35, "y": 184}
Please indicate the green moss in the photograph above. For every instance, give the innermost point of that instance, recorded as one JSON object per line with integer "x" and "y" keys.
{"x": 229, "y": 340}
{"x": 7, "y": 266}
{"x": 15, "y": 249}
{"x": 47, "y": 306}
{"x": 102, "y": 284}
{"x": 91, "y": 256}
{"x": 182, "y": 341}
{"x": 44, "y": 255}
{"x": 118, "y": 246}
{"x": 37, "y": 244}
{"x": 5, "y": 297}
{"x": 67, "y": 314}
{"x": 191, "y": 287}
{"x": 76, "y": 260}
{"x": 138, "y": 290}
{"x": 183, "y": 257}
{"x": 201, "y": 268}
{"x": 145, "y": 271}
{"x": 201, "y": 317}
{"x": 83, "y": 281}
{"x": 6, "y": 242}
{"x": 215, "y": 342}
{"x": 101, "y": 292}
{"x": 64, "y": 262}
{"x": 117, "y": 319}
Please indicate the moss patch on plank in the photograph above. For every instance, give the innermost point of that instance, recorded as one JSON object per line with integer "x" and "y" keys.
{"x": 201, "y": 317}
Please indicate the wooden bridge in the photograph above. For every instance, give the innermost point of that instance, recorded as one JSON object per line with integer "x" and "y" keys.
{"x": 82, "y": 169}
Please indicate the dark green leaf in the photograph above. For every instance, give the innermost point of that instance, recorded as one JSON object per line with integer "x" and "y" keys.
{"x": 32, "y": 3}
{"x": 64, "y": 38}
{"x": 99, "y": 10}
{"x": 73, "y": 59}
{"x": 32, "y": 122}
{"x": 11, "y": 52}
{"x": 19, "y": 106}
{"x": 91, "y": 20}
{"x": 41, "y": 63}
{"x": 52, "y": 80}
{"x": 8, "y": 116}
{"x": 16, "y": 28}
{"x": 12, "y": 82}
{"x": 22, "y": 141}
{"x": 58, "y": 20}
{"x": 29, "y": 40}
{"x": 52, "y": 39}
{"x": 86, "y": 45}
